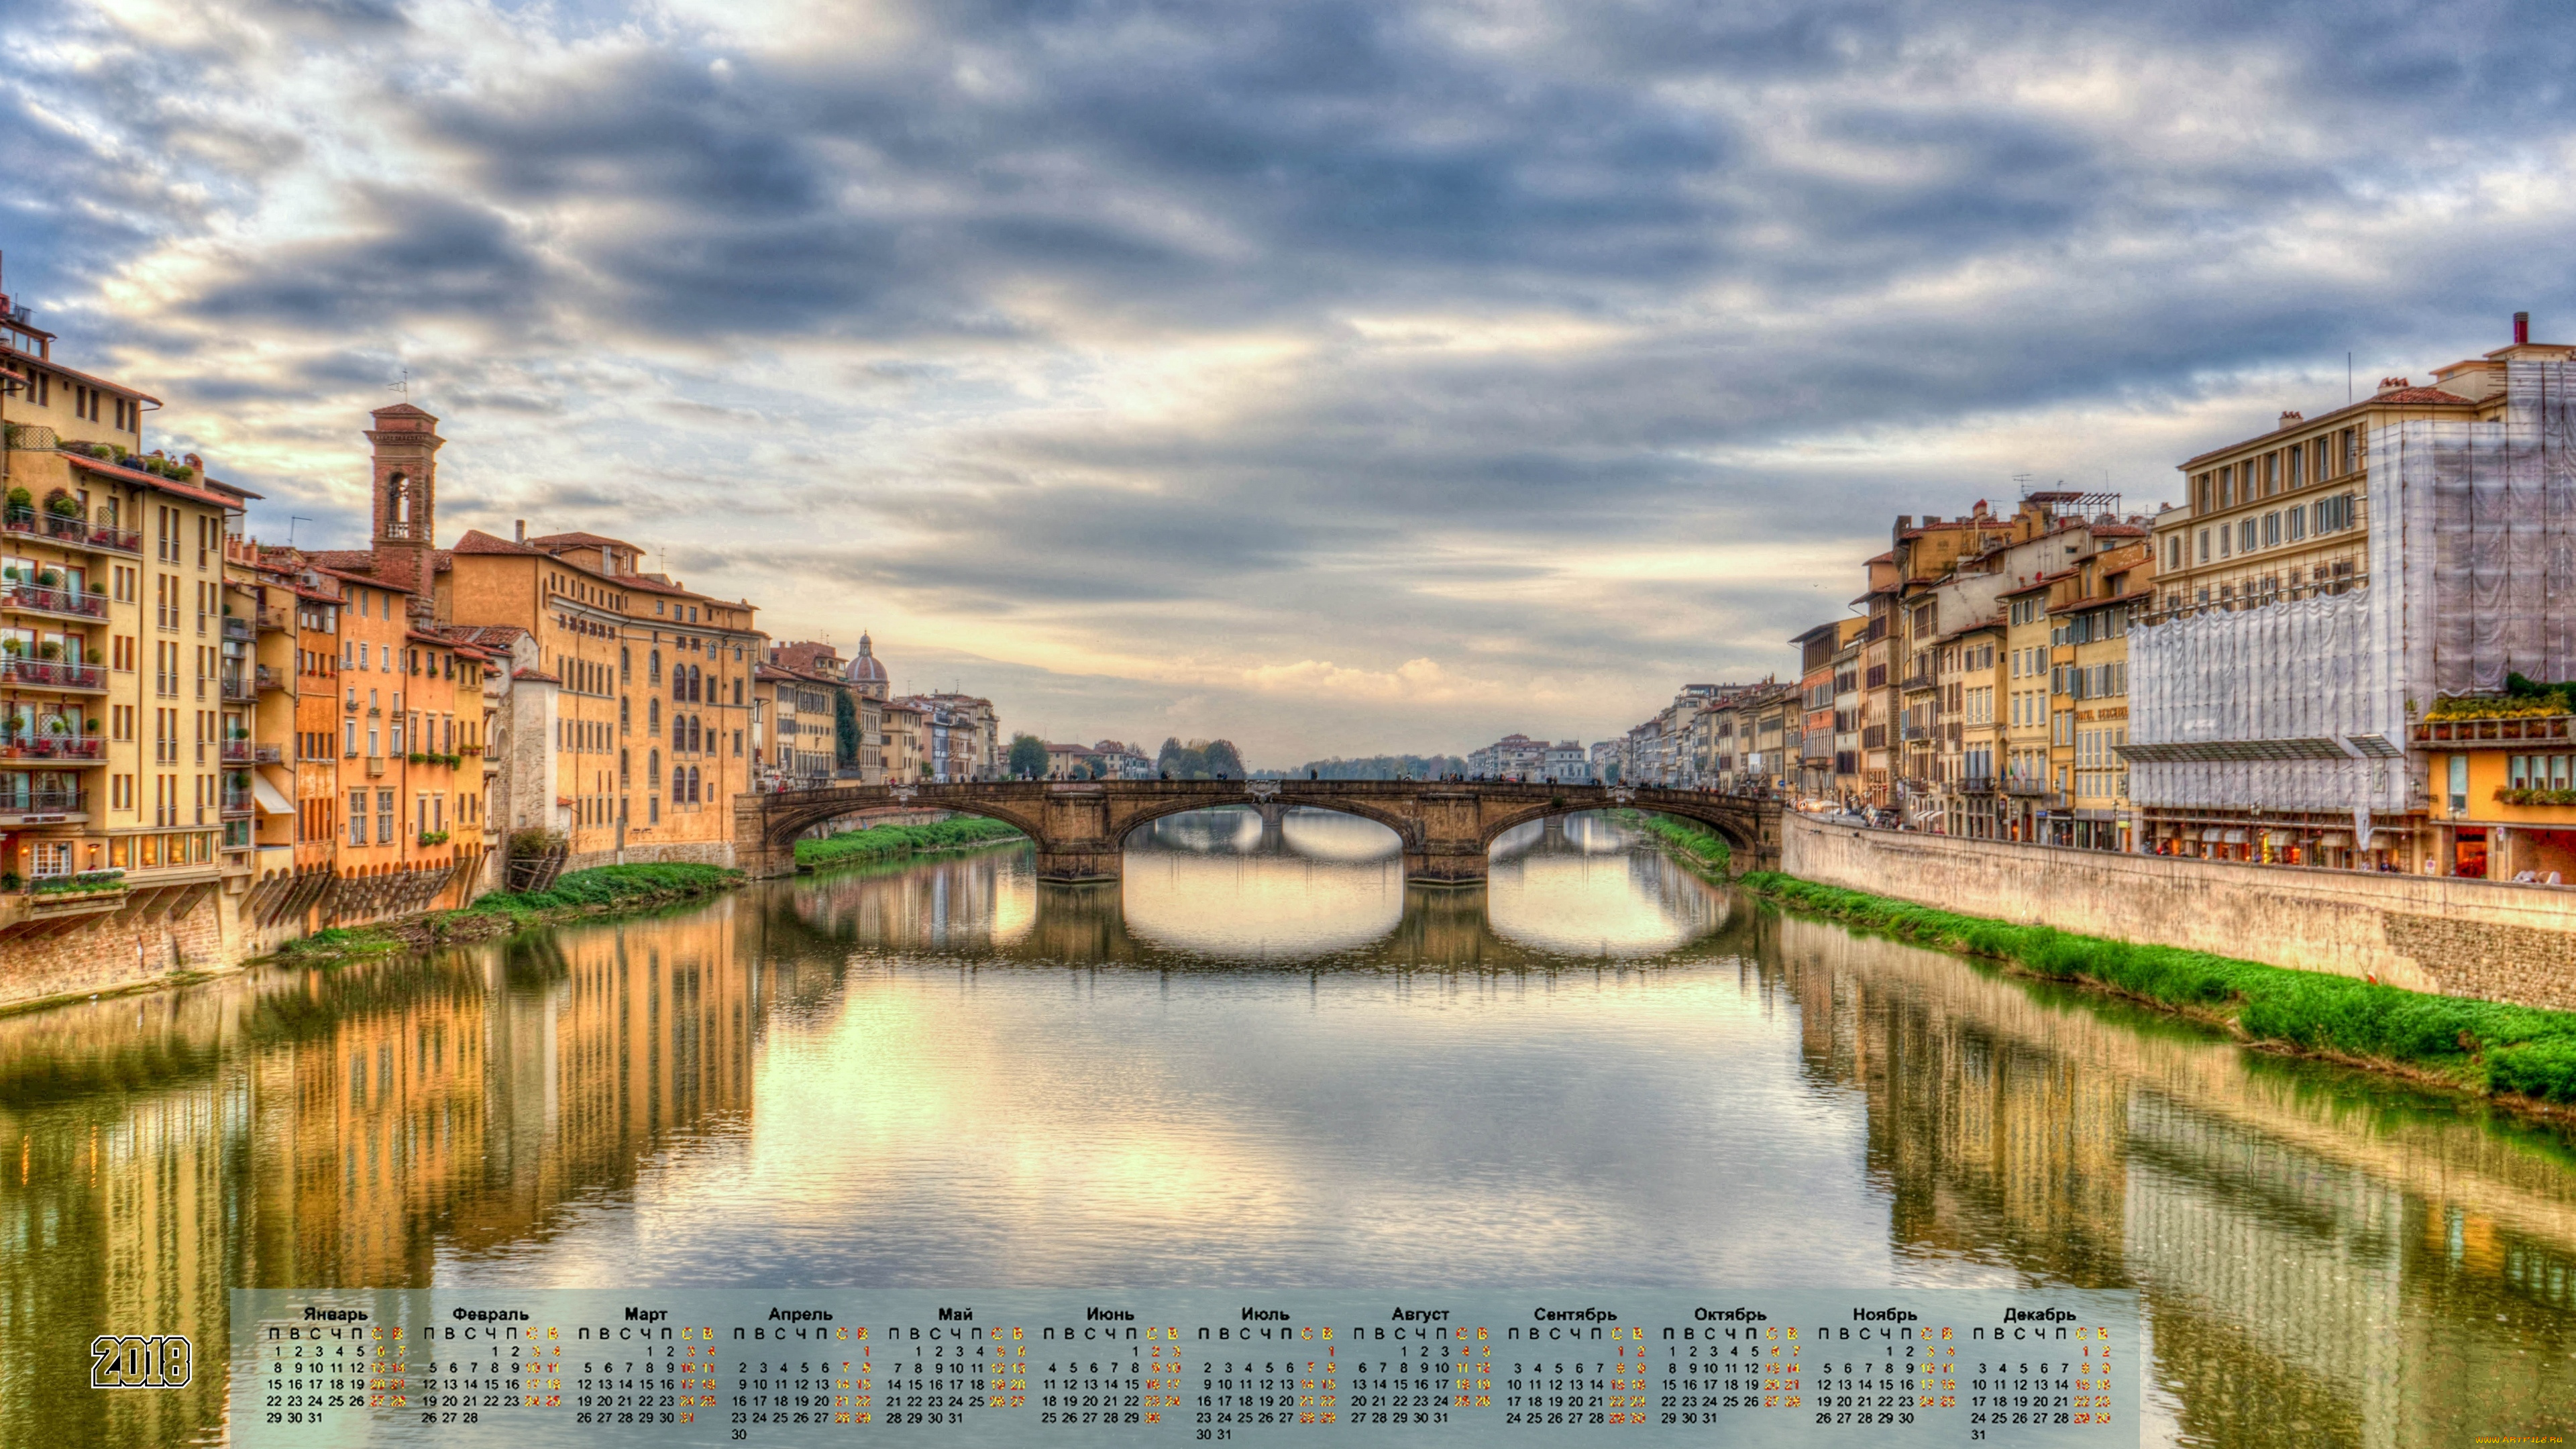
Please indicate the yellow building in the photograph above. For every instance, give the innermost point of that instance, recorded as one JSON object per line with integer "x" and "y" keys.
{"x": 114, "y": 673}
{"x": 2088, "y": 617}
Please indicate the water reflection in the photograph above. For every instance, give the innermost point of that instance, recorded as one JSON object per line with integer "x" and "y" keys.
{"x": 1265, "y": 1060}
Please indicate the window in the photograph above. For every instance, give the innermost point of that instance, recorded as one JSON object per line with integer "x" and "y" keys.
{"x": 2271, "y": 529}
{"x": 2296, "y": 524}
{"x": 2204, "y": 545}
{"x": 2245, "y": 536}
{"x": 357, "y": 817}
{"x": 2295, "y": 455}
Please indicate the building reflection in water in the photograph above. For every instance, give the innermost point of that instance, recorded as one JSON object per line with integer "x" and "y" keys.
{"x": 2325, "y": 1259}
{"x": 349, "y": 1126}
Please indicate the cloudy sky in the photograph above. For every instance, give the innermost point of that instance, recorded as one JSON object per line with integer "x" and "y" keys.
{"x": 1335, "y": 376}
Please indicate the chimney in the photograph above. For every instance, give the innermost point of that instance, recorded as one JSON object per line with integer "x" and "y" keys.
{"x": 522, "y": 531}
{"x": 2292, "y": 417}
{"x": 2521, "y": 329}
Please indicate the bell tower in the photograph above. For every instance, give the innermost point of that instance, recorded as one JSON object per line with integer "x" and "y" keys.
{"x": 406, "y": 493}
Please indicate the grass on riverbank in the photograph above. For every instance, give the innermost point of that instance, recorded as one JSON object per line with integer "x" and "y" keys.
{"x": 1696, "y": 841}
{"x": 2482, "y": 1045}
{"x": 884, "y": 842}
{"x": 602, "y": 891}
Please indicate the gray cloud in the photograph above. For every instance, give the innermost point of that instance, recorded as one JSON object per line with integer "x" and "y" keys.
{"x": 1187, "y": 359}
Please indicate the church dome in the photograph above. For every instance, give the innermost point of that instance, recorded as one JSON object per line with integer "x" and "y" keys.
{"x": 865, "y": 669}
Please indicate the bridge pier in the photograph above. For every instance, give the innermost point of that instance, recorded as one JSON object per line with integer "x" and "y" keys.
{"x": 1079, "y": 862}
{"x": 1441, "y": 863}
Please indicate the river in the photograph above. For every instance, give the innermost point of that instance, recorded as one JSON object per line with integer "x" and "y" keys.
{"x": 1262, "y": 1059}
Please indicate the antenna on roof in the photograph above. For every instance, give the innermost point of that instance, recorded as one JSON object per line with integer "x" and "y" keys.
{"x": 402, "y": 386}
{"x": 293, "y": 519}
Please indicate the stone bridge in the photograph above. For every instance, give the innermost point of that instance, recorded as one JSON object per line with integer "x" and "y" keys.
{"x": 1080, "y": 827}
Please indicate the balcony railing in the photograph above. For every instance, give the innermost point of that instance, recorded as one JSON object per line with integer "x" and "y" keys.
{"x": 1917, "y": 732}
{"x": 237, "y": 802}
{"x": 269, "y": 677}
{"x": 52, "y": 674}
{"x": 2530, "y": 729}
{"x": 1977, "y": 785}
{"x": 1916, "y": 681}
{"x": 37, "y": 598}
{"x": 68, "y": 531}
{"x": 237, "y": 752}
{"x": 68, "y": 801}
{"x": 2024, "y": 786}
{"x": 268, "y": 754}
{"x": 68, "y": 749}
{"x": 276, "y": 616}
{"x": 239, "y": 688}
{"x": 237, "y": 627}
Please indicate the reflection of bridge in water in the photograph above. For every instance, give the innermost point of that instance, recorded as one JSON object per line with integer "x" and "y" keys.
{"x": 969, "y": 906}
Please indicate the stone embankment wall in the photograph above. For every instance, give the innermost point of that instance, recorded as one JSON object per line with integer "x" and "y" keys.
{"x": 2478, "y": 938}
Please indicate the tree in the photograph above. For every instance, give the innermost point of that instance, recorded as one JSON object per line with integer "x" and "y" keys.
{"x": 1222, "y": 760}
{"x": 845, "y": 728}
{"x": 1180, "y": 761}
{"x": 1028, "y": 758}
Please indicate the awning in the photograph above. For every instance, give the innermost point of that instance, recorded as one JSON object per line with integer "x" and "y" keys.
{"x": 2213, "y": 833}
{"x": 2235, "y": 837}
{"x": 270, "y": 798}
{"x": 2335, "y": 840}
{"x": 2280, "y": 837}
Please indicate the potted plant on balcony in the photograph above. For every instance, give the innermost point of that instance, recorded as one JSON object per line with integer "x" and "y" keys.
{"x": 63, "y": 505}
{"x": 49, "y": 579}
{"x": 49, "y": 651}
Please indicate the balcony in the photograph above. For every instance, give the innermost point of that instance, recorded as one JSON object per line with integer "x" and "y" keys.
{"x": 1916, "y": 681}
{"x": 237, "y": 804}
{"x": 65, "y": 749}
{"x": 349, "y": 705}
{"x": 1913, "y": 732}
{"x": 38, "y": 599}
{"x": 375, "y": 766}
{"x": 238, "y": 690}
{"x": 2557, "y": 729}
{"x": 42, "y": 807}
{"x": 268, "y": 754}
{"x": 1977, "y": 785}
{"x": 54, "y": 898}
{"x": 238, "y": 628}
{"x": 276, "y": 616}
{"x": 237, "y": 752}
{"x": 268, "y": 677}
{"x": 53, "y": 674}
{"x": 67, "y": 531}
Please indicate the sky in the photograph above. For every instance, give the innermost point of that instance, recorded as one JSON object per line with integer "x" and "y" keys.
{"x": 1335, "y": 377}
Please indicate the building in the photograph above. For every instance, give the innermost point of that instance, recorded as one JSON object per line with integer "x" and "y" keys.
{"x": 1119, "y": 761}
{"x": 1070, "y": 762}
{"x": 115, "y": 704}
{"x": 1567, "y": 764}
{"x": 2328, "y": 583}
{"x": 1513, "y": 757}
{"x": 1609, "y": 760}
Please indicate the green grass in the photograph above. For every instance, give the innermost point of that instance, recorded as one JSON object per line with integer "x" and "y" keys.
{"x": 2484, "y": 1045}
{"x": 610, "y": 886}
{"x": 581, "y": 892}
{"x": 1703, "y": 845}
{"x": 885, "y": 842}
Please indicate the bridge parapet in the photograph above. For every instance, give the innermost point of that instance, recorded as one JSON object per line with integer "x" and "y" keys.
{"x": 1080, "y": 828}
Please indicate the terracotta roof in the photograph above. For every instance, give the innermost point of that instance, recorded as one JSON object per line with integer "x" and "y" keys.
{"x": 2043, "y": 581}
{"x": 534, "y": 676}
{"x": 476, "y": 541}
{"x": 50, "y": 365}
{"x": 359, "y": 561}
{"x": 2417, "y": 395}
{"x": 356, "y": 577}
{"x": 580, "y": 540}
{"x": 228, "y": 497}
{"x": 488, "y": 636}
{"x": 2118, "y": 530}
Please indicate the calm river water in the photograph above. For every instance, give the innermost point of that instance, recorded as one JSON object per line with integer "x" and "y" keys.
{"x": 1264, "y": 1061}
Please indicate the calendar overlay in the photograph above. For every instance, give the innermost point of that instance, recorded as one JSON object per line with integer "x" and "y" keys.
{"x": 528, "y": 1369}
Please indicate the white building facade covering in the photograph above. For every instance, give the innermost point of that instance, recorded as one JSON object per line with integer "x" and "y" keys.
{"x": 2306, "y": 704}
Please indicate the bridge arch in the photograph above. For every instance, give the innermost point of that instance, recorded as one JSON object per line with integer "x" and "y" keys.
{"x": 1728, "y": 817}
{"x": 785, "y": 818}
{"x": 1407, "y": 831}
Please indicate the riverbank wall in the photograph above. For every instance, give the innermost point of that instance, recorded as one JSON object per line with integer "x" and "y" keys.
{"x": 2488, "y": 939}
